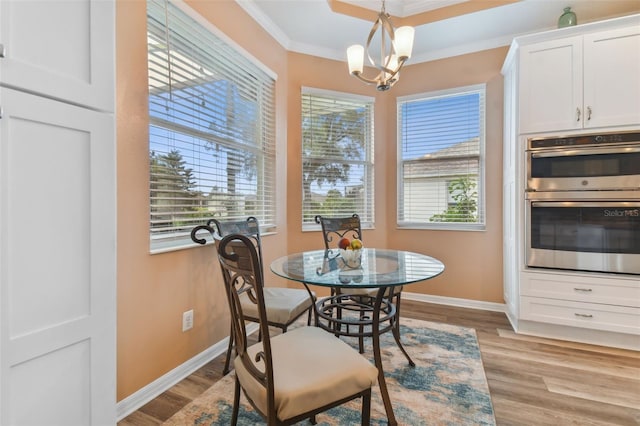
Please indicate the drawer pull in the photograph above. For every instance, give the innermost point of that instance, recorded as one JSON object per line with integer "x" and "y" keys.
{"x": 583, "y": 315}
{"x": 585, "y": 290}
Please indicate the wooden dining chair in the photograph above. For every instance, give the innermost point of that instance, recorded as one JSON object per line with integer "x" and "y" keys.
{"x": 284, "y": 305}
{"x": 291, "y": 376}
{"x": 333, "y": 230}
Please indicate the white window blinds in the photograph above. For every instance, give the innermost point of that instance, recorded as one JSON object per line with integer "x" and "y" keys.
{"x": 441, "y": 159}
{"x": 337, "y": 156}
{"x": 211, "y": 129}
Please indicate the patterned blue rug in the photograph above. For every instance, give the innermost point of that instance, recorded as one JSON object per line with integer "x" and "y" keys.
{"x": 446, "y": 387}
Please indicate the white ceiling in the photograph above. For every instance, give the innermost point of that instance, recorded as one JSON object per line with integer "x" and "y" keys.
{"x": 311, "y": 27}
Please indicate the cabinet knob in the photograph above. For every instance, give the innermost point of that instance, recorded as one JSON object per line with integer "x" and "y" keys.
{"x": 583, "y": 315}
{"x": 585, "y": 290}
{"x": 577, "y": 114}
{"x": 588, "y": 113}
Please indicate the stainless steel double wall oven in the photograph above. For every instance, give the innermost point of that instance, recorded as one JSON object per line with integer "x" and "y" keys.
{"x": 583, "y": 202}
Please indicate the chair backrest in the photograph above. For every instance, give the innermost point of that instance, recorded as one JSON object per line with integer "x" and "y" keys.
{"x": 241, "y": 268}
{"x": 335, "y": 228}
{"x": 248, "y": 227}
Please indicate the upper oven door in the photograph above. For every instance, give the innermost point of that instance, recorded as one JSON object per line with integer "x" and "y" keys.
{"x": 584, "y": 168}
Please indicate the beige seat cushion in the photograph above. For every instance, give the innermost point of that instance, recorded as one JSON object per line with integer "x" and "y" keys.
{"x": 312, "y": 368}
{"x": 283, "y": 304}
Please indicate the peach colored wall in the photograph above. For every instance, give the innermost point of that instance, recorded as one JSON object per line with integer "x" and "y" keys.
{"x": 473, "y": 259}
{"x": 154, "y": 290}
{"x": 314, "y": 72}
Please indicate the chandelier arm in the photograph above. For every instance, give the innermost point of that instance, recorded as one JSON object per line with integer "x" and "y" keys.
{"x": 392, "y": 73}
{"x": 365, "y": 79}
{"x": 372, "y": 33}
{"x": 388, "y": 28}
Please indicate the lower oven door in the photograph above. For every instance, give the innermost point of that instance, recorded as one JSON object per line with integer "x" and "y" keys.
{"x": 601, "y": 236}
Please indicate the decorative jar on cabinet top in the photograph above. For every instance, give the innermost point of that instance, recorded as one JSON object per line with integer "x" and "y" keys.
{"x": 567, "y": 19}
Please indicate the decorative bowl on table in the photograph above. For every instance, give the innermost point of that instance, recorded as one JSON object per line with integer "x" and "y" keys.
{"x": 351, "y": 258}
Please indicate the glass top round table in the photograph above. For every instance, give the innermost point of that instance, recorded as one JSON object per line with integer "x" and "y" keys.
{"x": 382, "y": 269}
{"x": 376, "y": 268}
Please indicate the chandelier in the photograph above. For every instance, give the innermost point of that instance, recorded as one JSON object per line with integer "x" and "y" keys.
{"x": 395, "y": 49}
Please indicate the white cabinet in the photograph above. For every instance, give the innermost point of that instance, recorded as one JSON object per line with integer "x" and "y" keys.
{"x": 612, "y": 78}
{"x": 583, "y": 81}
{"x": 582, "y": 300}
{"x": 57, "y": 213}
{"x": 550, "y": 85}
{"x": 576, "y": 80}
{"x": 60, "y": 49}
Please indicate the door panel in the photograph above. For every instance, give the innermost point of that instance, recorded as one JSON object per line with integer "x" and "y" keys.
{"x": 612, "y": 77}
{"x": 550, "y": 89}
{"x": 59, "y": 49}
{"x": 57, "y": 263}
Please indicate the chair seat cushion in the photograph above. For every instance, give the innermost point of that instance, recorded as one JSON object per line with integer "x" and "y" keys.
{"x": 311, "y": 368}
{"x": 283, "y": 304}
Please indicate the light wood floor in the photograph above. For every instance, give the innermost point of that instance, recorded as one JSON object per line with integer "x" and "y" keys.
{"x": 532, "y": 381}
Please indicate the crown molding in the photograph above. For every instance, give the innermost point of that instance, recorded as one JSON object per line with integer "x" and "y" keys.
{"x": 265, "y": 22}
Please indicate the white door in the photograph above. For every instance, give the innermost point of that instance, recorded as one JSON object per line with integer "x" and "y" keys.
{"x": 612, "y": 77}
{"x": 57, "y": 263}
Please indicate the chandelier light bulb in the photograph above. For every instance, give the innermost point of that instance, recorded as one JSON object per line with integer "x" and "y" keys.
{"x": 404, "y": 41}
{"x": 355, "y": 56}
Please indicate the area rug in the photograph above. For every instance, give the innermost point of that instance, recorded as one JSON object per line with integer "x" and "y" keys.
{"x": 446, "y": 387}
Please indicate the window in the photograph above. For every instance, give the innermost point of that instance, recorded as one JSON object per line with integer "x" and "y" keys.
{"x": 441, "y": 159}
{"x": 211, "y": 128}
{"x": 337, "y": 156}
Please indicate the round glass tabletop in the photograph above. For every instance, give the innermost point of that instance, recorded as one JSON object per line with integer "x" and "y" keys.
{"x": 369, "y": 268}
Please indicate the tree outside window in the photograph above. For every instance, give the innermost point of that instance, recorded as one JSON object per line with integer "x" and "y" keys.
{"x": 211, "y": 129}
{"x": 441, "y": 159}
{"x": 337, "y": 156}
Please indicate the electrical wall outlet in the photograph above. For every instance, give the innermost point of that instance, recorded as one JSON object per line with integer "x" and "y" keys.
{"x": 187, "y": 320}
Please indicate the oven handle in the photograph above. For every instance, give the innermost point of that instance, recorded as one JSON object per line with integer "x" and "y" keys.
{"x": 585, "y": 151}
{"x": 613, "y": 204}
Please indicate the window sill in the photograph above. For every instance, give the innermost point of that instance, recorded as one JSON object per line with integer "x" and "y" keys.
{"x": 443, "y": 226}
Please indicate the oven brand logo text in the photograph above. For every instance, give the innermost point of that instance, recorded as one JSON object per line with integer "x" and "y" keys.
{"x": 622, "y": 213}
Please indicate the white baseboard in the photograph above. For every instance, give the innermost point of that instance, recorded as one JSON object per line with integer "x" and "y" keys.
{"x": 452, "y": 301}
{"x": 136, "y": 400}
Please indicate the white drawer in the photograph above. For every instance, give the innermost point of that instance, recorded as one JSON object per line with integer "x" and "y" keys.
{"x": 587, "y": 315}
{"x": 610, "y": 291}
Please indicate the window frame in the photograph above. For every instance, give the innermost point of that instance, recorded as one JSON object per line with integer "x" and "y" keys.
{"x": 266, "y": 143}
{"x": 367, "y": 216}
{"x": 481, "y": 187}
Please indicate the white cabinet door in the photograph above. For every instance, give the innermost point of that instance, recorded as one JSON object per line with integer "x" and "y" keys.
{"x": 612, "y": 78}
{"x": 59, "y": 49}
{"x": 550, "y": 89}
{"x": 57, "y": 263}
